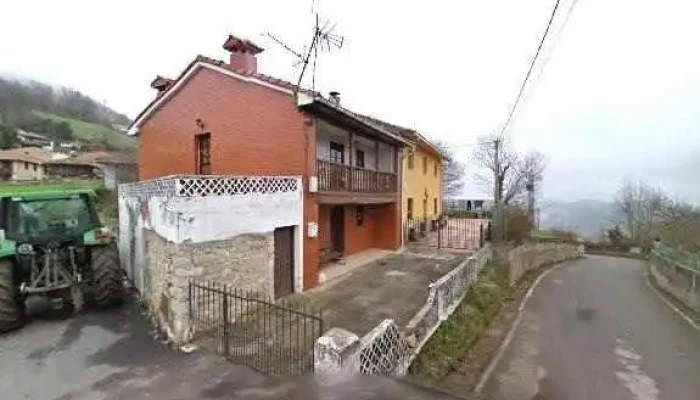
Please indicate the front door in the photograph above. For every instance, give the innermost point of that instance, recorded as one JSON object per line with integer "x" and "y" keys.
{"x": 338, "y": 230}
{"x": 284, "y": 261}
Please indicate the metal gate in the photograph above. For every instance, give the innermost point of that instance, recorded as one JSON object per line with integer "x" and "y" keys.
{"x": 276, "y": 338}
{"x": 456, "y": 227}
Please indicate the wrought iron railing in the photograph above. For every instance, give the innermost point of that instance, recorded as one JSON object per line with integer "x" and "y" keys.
{"x": 335, "y": 177}
{"x": 275, "y": 337}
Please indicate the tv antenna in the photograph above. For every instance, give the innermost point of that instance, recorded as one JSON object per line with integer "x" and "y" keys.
{"x": 323, "y": 40}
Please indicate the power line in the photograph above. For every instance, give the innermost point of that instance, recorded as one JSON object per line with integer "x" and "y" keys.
{"x": 550, "y": 50}
{"x": 529, "y": 71}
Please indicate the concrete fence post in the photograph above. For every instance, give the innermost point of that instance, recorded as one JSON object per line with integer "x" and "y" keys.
{"x": 442, "y": 307}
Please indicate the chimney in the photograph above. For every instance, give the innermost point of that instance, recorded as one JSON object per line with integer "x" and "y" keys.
{"x": 161, "y": 84}
{"x": 334, "y": 97}
{"x": 243, "y": 53}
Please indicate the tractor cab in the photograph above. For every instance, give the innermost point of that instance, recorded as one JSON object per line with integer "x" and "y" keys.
{"x": 54, "y": 254}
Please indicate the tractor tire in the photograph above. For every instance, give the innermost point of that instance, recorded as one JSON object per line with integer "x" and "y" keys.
{"x": 11, "y": 315}
{"x": 107, "y": 277}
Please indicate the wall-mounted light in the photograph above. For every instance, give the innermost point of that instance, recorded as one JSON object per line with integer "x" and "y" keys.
{"x": 200, "y": 124}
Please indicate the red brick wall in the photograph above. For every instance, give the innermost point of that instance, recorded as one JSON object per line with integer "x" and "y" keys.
{"x": 359, "y": 238}
{"x": 388, "y": 232}
{"x": 254, "y": 130}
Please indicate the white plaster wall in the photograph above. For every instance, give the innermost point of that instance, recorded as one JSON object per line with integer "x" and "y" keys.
{"x": 386, "y": 158}
{"x": 329, "y": 133}
{"x": 205, "y": 219}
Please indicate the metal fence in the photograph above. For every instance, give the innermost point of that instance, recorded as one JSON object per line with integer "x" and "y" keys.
{"x": 448, "y": 231}
{"x": 276, "y": 338}
{"x": 682, "y": 270}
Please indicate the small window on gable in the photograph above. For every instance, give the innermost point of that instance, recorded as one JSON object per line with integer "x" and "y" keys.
{"x": 203, "y": 154}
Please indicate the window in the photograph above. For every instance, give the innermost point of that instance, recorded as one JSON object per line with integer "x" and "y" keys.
{"x": 359, "y": 158}
{"x": 34, "y": 167}
{"x": 409, "y": 208}
{"x": 337, "y": 153}
{"x": 26, "y": 165}
{"x": 203, "y": 156}
{"x": 410, "y": 161}
{"x": 435, "y": 168}
{"x": 435, "y": 208}
{"x": 425, "y": 165}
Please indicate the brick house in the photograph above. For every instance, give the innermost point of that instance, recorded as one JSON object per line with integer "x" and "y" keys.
{"x": 226, "y": 118}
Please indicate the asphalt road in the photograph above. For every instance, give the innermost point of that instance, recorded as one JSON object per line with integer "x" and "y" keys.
{"x": 112, "y": 355}
{"x": 594, "y": 330}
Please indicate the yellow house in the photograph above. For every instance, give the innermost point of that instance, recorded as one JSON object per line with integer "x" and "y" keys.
{"x": 422, "y": 181}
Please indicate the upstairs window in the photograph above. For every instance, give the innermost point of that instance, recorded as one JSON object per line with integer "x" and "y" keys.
{"x": 425, "y": 165}
{"x": 410, "y": 161}
{"x": 203, "y": 154}
{"x": 337, "y": 153}
{"x": 435, "y": 169}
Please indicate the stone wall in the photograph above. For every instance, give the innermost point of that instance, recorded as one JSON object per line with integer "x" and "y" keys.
{"x": 517, "y": 261}
{"x": 243, "y": 262}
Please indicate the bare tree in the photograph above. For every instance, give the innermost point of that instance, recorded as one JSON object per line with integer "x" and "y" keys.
{"x": 453, "y": 171}
{"x": 513, "y": 170}
{"x": 647, "y": 214}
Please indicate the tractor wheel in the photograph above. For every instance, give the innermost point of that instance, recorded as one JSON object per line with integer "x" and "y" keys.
{"x": 109, "y": 289}
{"x": 10, "y": 312}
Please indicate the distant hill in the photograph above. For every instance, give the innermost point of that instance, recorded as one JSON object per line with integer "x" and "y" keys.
{"x": 88, "y": 132}
{"x": 587, "y": 217}
{"x": 62, "y": 114}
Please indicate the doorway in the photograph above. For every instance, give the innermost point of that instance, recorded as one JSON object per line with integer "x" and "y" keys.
{"x": 284, "y": 261}
{"x": 338, "y": 230}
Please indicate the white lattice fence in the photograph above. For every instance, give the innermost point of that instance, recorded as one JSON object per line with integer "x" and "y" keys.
{"x": 216, "y": 185}
{"x": 383, "y": 350}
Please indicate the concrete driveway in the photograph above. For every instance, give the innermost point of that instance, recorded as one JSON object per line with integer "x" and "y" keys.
{"x": 594, "y": 330}
{"x": 111, "y": 355}
{"x": 394, "y": 287}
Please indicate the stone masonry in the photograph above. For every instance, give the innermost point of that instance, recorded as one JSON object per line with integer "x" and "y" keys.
{"x": 244, "y": 262}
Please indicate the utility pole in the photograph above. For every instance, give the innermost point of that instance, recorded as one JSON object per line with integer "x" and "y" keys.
{"x": 498, "y": 228}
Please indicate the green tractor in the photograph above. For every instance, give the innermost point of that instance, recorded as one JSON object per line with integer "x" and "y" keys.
{"x": 54, "y": 255}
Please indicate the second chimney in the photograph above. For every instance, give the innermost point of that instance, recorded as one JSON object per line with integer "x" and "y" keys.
{"x": 243, "y": 53}
{"x": 334, "y": 97}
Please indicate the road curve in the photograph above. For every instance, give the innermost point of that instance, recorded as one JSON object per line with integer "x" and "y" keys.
{"x": 594, "y": 330}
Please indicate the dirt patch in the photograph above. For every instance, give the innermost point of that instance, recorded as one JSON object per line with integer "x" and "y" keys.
{"x": 480, "y": 323}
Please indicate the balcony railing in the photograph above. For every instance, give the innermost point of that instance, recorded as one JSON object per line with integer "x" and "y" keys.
{"x": 334, "y": 177}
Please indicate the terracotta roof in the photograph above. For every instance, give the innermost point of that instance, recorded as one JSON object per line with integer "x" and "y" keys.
{"x": 222, "y": 64}
{"x": 117, "y": 158}
{"x": 26, "y": 154}
{"x": 409, "y": 134}
{"x": 92, "y": 158}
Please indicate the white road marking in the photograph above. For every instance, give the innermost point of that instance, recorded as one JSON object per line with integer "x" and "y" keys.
{"x": 633, "y": 377}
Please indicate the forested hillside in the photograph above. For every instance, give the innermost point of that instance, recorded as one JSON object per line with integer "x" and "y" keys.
{"x": 60, "y": 113}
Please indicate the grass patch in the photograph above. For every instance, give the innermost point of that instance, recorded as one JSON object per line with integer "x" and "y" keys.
{"x": 89, "y": 132}
{"x": 455, "y": 336}
{"x": 11, "y": 187}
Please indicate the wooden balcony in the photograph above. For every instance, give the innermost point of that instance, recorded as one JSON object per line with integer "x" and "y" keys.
{"x": 334, "y": 177}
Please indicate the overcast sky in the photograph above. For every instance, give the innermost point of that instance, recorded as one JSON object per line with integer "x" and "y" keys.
{"x": 619, "y": 97}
